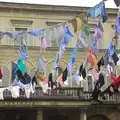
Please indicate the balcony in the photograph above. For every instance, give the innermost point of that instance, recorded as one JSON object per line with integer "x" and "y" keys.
{"x": 60, "y": 94}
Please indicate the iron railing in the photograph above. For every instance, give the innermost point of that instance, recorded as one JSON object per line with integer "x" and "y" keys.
{"x": 62, "y": 94}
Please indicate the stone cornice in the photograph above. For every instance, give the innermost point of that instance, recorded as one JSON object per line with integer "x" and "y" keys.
{"x": 46, "y": 104}
{"x": 49, "y": 48}
{"x": 53, "y": 8}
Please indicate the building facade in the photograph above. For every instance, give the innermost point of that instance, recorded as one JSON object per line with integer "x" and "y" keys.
{"x": 71, "y": 103}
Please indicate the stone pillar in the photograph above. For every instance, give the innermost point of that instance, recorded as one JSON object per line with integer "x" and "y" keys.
{"x": 83, "y": 115}
{"x": 39, "y": 115}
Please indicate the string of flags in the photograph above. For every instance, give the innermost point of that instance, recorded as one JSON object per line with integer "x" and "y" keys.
{"x": 64, "y": 32}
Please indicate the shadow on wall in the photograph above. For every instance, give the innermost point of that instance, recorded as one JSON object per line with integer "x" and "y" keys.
{"x": 97, "y": 117}
{"x": 59, "y": 117}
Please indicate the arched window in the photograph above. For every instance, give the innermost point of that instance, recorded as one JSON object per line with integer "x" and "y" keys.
{"x": 5, "y": 79}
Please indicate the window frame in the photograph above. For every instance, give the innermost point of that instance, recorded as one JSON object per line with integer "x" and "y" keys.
{"x": 53, "y": 23}
{"x": 28, "y": 35}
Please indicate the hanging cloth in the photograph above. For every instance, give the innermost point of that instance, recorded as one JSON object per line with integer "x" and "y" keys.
{"x": 43, "y": 42}
{"x": 64, "y": 75}
{"x": 23, "y": 52}
{"x": 111, "y": 49}
{"x": 117, "y": 2}
{"x": 35, "y": 33}
{"x": 82, "y": 72}
{"x": 41, "y": 64}
{"x": 1, "y": 35}
{"x": 14, "y": 91}
{"x": 82, "y": 39}
{"x": 116, "y": 82}
{"x": 94, "y": 46}
{"x": 74, "y": 24}
{"x": 21, "y": 66}
{"x": 72, "y": 60}
{"x": 80, "y": 23}
{"x": 99, "y": 10}
{"x": 68, "y": 35}
{"x": 98, "y": 32}
{"x": 92, "y": 59}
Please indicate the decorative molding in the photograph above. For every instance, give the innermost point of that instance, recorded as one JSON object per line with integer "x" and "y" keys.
{"x": 54, "y": 8}
{"x": 50, "y": 23}
{"x": 21, "y": 22}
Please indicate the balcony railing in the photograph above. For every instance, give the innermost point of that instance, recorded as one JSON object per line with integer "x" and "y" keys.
{"x": 61, "y": 94}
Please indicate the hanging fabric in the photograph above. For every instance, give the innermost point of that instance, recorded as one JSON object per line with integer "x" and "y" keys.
{"x": 23, "y": 52}
{"x": 98, "y": 32}
{"x": 36, "y": 33}
{"x": 85, "y": 63}
{"x": 99, "y": 10}
{"x": 82, "y": 72}
{"x": 94, "y": 46}
{"x": 1, "y": 35}
{"x": 21, "y": 66}
{"x": 41, "y": 64}
{"x": 74, "y": 24}
{"x": 72, "y": 60}
{"x": 116, "y": 81}
{"x": 78, "y": 78}
{"x": 64, "y": 75}
{"x": 80, "y": 23}
{"x": 1, "y": 93}
{"x": 14, "y": 91}
{"x": 117, "y": 2}
{"x": 68, "y": 35}
{"x": 82, "y": 39}
{"x": 43, "y": 42}
{"x": 92, "y": 59}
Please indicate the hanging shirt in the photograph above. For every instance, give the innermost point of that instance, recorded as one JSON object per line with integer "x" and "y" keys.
{"x": 80, "y": 23}
{"x": 68, "y": 35}
{"x": 99, "y": 10}
{"x": 115, "y": 58}
{"x": 43, "y": 43}
{"x": 106, "y": 58}
{"x": 23, "y": 53}
{"x": 95, "y": 74}
{"x": 21, "y": 66}
{"x": 41, "y": 64}
{"x": 92, "y": 59}
{"x": 116, "y": 82}
{"x": 82, "y": 72}
{"x": 1, "y": 93}
{"x": 94, "y": 46}
{"x": 83, "y": 41}
{"x": 111, "y": 49}
{"x": 64, "y": 75}
{"x": 15, "y": 91}
{"x": 100, "y": 63}
{"x": 98, "y": 32}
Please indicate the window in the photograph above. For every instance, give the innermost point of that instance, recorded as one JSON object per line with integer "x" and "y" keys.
{"x": 5, "y": 79}
{"x": 29, "y": 39}
{"x": 52, "y": 39}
